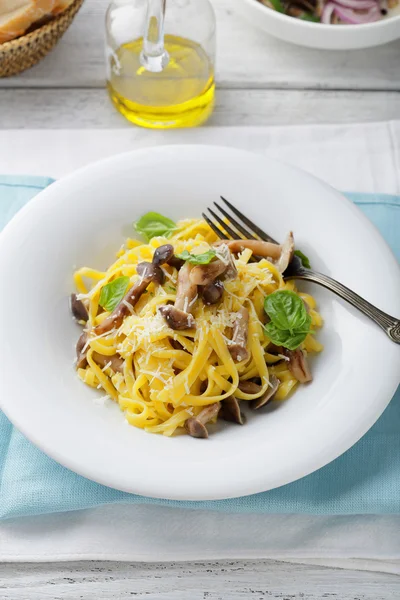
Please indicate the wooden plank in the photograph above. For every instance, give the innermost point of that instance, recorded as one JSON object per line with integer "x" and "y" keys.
{"x": 225, "y": 580}
{"x": 60, "y": 109}
{"x": 247, "y": 58}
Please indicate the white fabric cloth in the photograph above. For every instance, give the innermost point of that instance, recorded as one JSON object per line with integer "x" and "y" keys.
{"x": 359, "y": 158}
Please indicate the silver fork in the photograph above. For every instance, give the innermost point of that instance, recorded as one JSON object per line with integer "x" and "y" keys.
{"x": 246, "y": 229}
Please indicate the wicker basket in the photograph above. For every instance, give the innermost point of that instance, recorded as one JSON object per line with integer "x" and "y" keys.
{"x": 27, "y": 50}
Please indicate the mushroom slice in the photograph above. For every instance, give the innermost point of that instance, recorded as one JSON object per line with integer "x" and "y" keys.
{"x": 298, "y": 365}
{"x": 115, "y": 362}
{"x": 124, "y": 308}
{"x": 186, "y": 290}
{"x": 224, "y": 254}
{"x": 286, "y": 254}
{"x": 147, "y": 269}
{"x": 212, "y": 293}
{"x": 179, "y": 316}
{"x": 258, "y": 247}
{"x": 176, "y": 262}
{"x": 238, "y": 346}
{"x": 249, "y": 387}
{"x": 230, "y": 411}
{"x": 205, "y": 274}
{"x": 269, "y": 394}
{"x": 175, "y": 318}
{"x": 163, "y": 254}
{"x": 196, "y": 426}
{"x": 78, "y": 309}
{"x": 80, "y": 353}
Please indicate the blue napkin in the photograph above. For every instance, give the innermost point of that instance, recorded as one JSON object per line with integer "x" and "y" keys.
{"x": 366, "y": 479}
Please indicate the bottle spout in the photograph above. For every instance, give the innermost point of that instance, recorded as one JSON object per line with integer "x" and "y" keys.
{"x": 154, "y": 56}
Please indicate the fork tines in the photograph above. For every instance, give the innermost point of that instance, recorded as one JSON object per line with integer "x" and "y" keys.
{"x": 230, "y": 228}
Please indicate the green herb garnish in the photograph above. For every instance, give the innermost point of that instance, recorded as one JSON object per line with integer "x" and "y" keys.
{"x": 197, "y": 259}
{"x": 113, "y": 292}
{"x": 290, "y": 322}
{"x": 278, "y": 6}
{"x": 310, "y": 17}
{"x": 153, "y": 224}
{"x": 304, "y": 259}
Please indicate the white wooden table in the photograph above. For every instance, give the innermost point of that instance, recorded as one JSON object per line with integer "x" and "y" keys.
{"x": 261, "y": 81}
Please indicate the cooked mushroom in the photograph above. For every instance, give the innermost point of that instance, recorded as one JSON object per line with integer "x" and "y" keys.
{"x": 269, "y": 394}
{"x": 298, "y": 365}
{"x": 186, "y": 291}
{"x": 78, "y": 309}
{"x": 238, "y": 347}
{"x": 230, "y": 411}
{"x": 195, "y": 426}
{"x": 176, "y": 262}
{"x": 175, "y": 318}
{"x": 249, "y": 387}
{"x": 163, "y": 254}
{"x": 80, "y": 353}
{"x": 115, "y": 361}
{"x": 281, "y": 254}
{"x": 205, "y": 274}
{"x": 258, "y": 247}
{"x": 212, "y": 293}
{"x": 286, "y": 253}
{"x": 130, "y": 299}
{"x": 179, "y": 316}
{"x": 225, "y": 255}
{"x": 147, "y": 269}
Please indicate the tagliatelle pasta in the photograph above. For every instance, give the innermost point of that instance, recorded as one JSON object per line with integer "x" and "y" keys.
{"x": 162, "y": 377}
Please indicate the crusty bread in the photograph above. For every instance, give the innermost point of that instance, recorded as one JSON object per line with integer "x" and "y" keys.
{"x": 7, "y": 6}
{"x": 61, "y": 5}
{"x": 17, "y": 21}
{"x": 16, "y": 16}
{"x": 45, "y": 7}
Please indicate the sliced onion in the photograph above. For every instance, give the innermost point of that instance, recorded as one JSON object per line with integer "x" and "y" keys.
{"x": 358, "y": 4}
{"x": 347, "y": 15}
{"x": 327, "y": 13}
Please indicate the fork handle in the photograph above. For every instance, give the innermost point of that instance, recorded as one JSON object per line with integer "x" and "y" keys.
{"x": 390, "y": 325}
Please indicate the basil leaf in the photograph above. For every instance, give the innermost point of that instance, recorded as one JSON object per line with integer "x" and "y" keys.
{"x": 197, "y": 259}
{"x": 304, "y": 259}
{"x": 286, "y": 310}
{"x": 113, "y": 292}
{"x": 310, "y": 17}
{"x": 153, "y": 224}
{"x": 278, "y": 6}
{"x": 283, "y": 337}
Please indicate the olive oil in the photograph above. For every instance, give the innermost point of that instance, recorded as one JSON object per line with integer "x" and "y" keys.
{"x": 181, "y": 95}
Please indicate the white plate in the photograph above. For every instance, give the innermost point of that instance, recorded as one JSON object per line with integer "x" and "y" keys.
{"x": 317, "y": 35}
{"x": 84, "y": 218}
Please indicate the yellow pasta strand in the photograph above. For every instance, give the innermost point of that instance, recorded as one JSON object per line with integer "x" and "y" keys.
{"x": 165, "y": 377}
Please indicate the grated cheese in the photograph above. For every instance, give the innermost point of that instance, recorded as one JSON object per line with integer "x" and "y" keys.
{"x": 96, "y": 337}
{"x": 128, "y": 306}
{"x": 194, "y": 300}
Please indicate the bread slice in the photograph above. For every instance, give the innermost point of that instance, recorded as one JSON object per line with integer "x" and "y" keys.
{"x": 7, "y": 6}
{"x": 16, "y": 16}
{"x": 45, "y": 7}
{"x": 17, "y": 21}
{"x": 61, "y": 5}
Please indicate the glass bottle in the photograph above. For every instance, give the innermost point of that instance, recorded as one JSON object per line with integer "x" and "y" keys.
{"x": 160, "y": 61}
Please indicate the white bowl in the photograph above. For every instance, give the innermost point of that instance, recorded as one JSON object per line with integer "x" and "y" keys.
{"x": 84, "y": 218}
{"x": 317, "y": 35}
